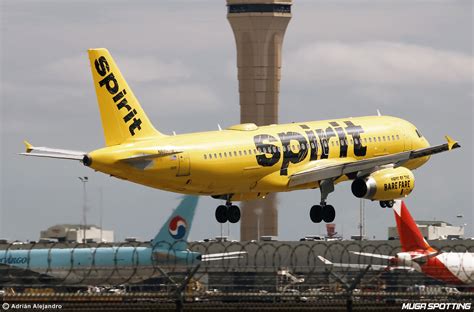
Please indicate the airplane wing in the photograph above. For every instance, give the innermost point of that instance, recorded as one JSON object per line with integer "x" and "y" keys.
{"x": 367, "y": 254}
{"x": 52, "y": 152}
{"x": 335, "y": 170}
{"x": 374, "y": 267}
{"x": 223, "y": 256}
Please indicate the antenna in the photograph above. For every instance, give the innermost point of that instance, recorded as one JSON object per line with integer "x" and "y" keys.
{"x": 378, "y": 113}
{"x": 219, "y": 127}
{"x": 174, "y": 133}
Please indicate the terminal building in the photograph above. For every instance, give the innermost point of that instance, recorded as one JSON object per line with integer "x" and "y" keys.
{"x": 74, "y": 233}
{"x": 432, "y": 230}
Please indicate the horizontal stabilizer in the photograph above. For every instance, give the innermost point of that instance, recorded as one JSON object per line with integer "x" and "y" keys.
{"x": 143, "y": 160}
{"x": 52, "y": 152}
{"x": 223, "y": 256}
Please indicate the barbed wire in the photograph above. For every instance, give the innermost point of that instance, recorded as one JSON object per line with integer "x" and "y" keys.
{"x": 260, "y": 265}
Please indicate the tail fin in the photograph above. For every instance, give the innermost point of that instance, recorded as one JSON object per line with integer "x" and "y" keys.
{"x": 410, "y": 236}
{"x": 174, "y": 233}
{"x": 121, "y": 113}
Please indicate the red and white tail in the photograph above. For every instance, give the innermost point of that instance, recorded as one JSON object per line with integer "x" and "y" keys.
{"x": 410, "y": 236}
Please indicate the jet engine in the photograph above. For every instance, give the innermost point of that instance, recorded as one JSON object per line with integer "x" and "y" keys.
{"x": 384, "y": 184}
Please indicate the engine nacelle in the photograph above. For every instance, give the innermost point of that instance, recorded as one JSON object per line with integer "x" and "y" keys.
{"x": 385, "y": 184}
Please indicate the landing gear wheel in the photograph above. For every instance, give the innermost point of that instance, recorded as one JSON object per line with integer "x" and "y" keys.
{"x": 383, "y": 204}
{"x": 316, "y": 213}
{"x": 390, "y": 203}
{"x": 329, "y": 213}
{"x": 221, "y": 214}
{"x": 233, "y": 214}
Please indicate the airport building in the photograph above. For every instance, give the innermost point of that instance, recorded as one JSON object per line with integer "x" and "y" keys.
{"x": 74, "y": 233}
{"x": 259, "y": 27}
{"x": 432, "y": 230}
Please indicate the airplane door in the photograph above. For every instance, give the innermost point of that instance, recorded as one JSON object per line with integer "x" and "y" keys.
{"x": 184, "y": 165}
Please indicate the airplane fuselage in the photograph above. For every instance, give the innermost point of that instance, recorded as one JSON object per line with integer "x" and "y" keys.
{"x": 101, "y": 265}
{"x": 257, "y": 160}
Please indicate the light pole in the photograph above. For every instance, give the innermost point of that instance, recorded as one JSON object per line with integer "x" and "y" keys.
{"x": 258, "y": 212}
{"x": 84, "y": 206}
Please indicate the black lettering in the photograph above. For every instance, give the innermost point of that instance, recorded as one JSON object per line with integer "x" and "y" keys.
{"x": 342, "y": 140}
{"x": 266, "y": 148}
{"x": 101, "y": 66}
{"x": 124, "y": 103}
{"x": 119, "y": 95}
{"x": 324, "y": 137}
{"x": 288, "y": 154}
{"x": 312, "y": 142}
{"x": 135, "y": 125}
{"x": 355, "y": 131}
{"x": 110, "y": 83}
{"x": 129, "y": 115}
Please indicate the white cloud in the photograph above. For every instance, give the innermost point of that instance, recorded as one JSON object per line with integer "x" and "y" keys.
{"x": 185, "y": 98}
{"x": 152, "y": 69}
{"x": 377, "y": 62}
{"x": 143, "y": 69}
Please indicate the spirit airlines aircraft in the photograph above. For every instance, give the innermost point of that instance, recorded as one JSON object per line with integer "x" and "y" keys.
{"x": 111, "y": 265}
{"x": 246, "y": 162}
{"x": 455, "y": 268}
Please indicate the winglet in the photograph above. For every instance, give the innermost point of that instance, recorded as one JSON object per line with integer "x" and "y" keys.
{"x": 452, "y": 143}
{"x": 28, "y": 146}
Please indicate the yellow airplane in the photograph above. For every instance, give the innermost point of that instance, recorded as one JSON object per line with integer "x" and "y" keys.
{"x": 246, "y": 162}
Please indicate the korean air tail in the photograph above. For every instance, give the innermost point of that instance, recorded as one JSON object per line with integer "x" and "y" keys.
{"x": 410, "y": 236}
{"x": 174, "y": 233}
{"x": 121, "y": 113}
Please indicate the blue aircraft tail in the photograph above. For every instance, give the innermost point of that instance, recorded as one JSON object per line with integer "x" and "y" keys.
{"x": 174, "y": 233}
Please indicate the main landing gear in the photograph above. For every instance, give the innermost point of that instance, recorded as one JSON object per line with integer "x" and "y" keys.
{"x": 228, "y": 212}
{"x": 387, "y": 203}
{"x": 323, "y": 212}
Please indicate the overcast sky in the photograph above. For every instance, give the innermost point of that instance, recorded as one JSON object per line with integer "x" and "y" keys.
{"x": 411, "y": 59}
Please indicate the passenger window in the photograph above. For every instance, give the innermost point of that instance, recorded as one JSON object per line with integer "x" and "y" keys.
{"x": 383, "y": 138}
{"x": 370, "y": 140}
{"x": 365, "y": 140}
{"x": 205, "y": 156}
{"x": 393, "y": 138}
{"x": 235, "y": 153}
{"x": 240, "y": 153}
{"x": 388, "y": 138}
{"x": 225, "y": 154}
{"x": 215, "y": 155}
{"x": 380, "y": 140}
{"x": 220, "y": 155}
{"x": 210, "y": 156}
{"x": 337, "y": 143}
{"x": 332, "y": 143}
{"x": 398, "y": 137}
{"x": 255, "y": 151}
{"x": 245, "y": 152}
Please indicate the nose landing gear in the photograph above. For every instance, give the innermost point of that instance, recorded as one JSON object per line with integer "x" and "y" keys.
{"x": 387, "y": 203}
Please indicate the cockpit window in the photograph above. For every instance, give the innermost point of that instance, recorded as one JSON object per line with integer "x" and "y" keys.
{"x": 418, "y": 133}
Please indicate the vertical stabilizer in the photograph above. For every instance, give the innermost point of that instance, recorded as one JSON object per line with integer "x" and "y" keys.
{"x": 122, "y": 116}
{"x": 410, "y": 236}
{"x": 174, "y": 233}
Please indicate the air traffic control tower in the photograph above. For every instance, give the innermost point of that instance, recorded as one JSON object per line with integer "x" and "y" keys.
{"x": 259, "y": 27}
